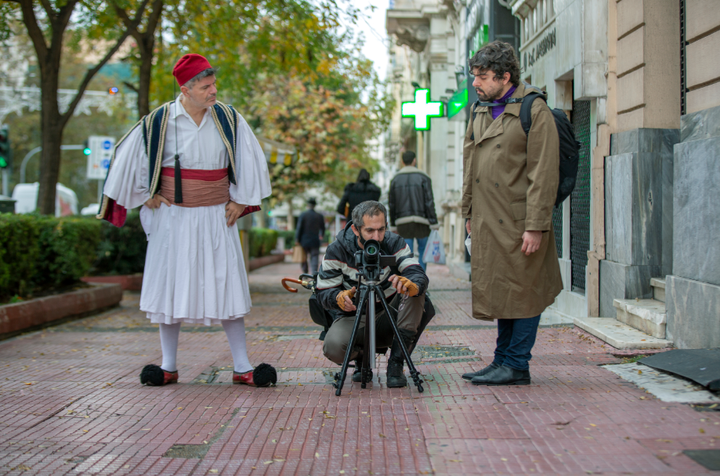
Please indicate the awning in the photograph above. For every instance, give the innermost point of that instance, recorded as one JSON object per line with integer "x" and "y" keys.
{"x": 277, "y": 152}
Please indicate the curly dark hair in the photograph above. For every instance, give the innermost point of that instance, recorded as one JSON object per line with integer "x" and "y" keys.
{"x": 498, "y": 57}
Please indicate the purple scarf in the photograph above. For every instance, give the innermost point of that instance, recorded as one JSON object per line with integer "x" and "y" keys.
{"x": 497, "y": 110}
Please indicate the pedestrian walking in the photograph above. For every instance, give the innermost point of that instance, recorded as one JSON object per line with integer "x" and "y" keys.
{"x": 412, "y": 206}
{"x": 309, "y": 233}
{"x": 510, "y": 182}
{"x": 357, "y": 192}
{"x": 195, "y": 167}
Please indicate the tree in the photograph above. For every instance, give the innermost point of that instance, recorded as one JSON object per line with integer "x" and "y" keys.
{"x": 293, "y": 76}
{"x": 48, "y": 26}
{"x": 145, "y": 40}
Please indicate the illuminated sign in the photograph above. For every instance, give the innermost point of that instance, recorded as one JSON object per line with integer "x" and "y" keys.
{"x": 422, "y": 109}
{"x": 458, "y": 101}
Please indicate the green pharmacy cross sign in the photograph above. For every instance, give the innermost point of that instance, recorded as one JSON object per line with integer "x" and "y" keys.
{"x": 422, "y": 109}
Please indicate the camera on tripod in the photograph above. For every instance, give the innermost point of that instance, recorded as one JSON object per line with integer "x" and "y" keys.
{"x": 370, "y": 262}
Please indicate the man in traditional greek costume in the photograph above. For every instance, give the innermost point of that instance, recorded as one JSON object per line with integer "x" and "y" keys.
{"x": 195, "y": 167}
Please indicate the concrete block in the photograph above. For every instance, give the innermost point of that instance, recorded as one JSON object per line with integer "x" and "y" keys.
{"x": 632, "y": 47}
{"x": 645, "y": 315}
{"x": 696, "y": 255}
{"x": 648, "y": 178}
{"x": 703, "y": 98}
{"x": 700, "y": 125}
{"x": 630, "y": 91}
{"x": 619, "y": 335}
{"x": 623, "y": 281}
{"x": 634, "y": 205}
{"x": 658, "y": 285}
{"x": 631, "y": 120}
{"x": 702, "y": 64}
{"x": 693, "y": 313}
{"x": 701, "y": 16}
{"x": 629, "y": 16}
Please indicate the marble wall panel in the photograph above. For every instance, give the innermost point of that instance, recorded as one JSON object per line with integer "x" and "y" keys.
{"x": 623, "y": 281}
{"x": 700, "y": 125}
{"x": 693, "y": 316}
{"x": 696, "y": 254}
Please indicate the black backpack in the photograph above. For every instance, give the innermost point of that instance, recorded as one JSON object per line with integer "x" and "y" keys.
{"x": 569, "y": 147}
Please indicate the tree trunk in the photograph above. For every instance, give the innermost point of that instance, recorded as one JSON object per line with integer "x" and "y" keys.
{"x": 146, "y": 57}
{"x": 51, "y": 130}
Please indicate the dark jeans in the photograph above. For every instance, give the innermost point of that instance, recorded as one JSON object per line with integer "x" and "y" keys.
{"x": 516, "y": 338}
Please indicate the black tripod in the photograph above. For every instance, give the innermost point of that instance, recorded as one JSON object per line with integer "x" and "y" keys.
{"x": 369, "y": 290}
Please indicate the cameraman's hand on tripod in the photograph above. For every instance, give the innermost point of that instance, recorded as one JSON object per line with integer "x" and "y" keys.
{"x": 344, "y": 300}
{"x": 404, "y": 285}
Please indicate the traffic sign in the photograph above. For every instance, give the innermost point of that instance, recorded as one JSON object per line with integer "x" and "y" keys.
{"x": 101, "y": 150}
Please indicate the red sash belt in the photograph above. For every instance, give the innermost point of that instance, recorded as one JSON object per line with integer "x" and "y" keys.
{"x": 200, "y": 188}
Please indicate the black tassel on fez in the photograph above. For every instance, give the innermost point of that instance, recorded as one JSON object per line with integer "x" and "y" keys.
{"x": 178, "y": 180}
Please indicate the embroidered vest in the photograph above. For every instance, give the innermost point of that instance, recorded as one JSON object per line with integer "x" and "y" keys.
{"x": 154, "y": 129}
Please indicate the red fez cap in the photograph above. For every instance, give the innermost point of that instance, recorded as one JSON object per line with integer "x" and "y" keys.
{"x": 189, "y": 66}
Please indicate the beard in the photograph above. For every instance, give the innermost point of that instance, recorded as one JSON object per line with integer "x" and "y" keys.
{"x": 489, "y": 96}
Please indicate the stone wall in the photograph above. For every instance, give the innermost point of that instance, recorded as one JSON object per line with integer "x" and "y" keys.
{"x": 638, "y": 214}
{"x": 693, "y": 291}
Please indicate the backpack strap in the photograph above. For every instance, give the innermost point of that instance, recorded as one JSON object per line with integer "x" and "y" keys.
{"x": 525, "y": 110}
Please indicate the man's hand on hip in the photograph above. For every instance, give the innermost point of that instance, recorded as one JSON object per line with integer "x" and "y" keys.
{"x": 233, "y": 211}
{"x": 156, "y": 201}
{"x": 404, "y": 285}
{"x": 531, "y": 242}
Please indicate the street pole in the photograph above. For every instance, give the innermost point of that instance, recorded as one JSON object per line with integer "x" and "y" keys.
{"x": 5, "y": 179}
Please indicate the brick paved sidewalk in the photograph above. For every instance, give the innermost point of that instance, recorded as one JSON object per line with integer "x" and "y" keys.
{"x": 71, "y": 402}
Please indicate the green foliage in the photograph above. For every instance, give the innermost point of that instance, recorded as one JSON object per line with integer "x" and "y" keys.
{"x": 40, "y": 253}
{"x": 18, "y": 253}
{"x": 121, "y": 250}
{"x": 289, "y": 236}
{"x": 262, "y": 241}
{"x": 68, "y": 248}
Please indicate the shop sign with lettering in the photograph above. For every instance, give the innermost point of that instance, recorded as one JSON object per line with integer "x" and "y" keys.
{"x": 540, "y": 49}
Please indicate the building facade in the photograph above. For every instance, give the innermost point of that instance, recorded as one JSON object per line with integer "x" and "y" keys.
{"x": 640, "y": 82}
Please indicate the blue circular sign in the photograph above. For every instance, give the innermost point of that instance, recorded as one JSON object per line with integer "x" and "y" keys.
{"x": 105, "y": 163}
{"x": 107, "y": 144}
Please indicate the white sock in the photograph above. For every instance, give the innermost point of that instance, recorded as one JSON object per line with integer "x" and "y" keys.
{"x": 169, "y": 337}
{"x": 235, "y": 331}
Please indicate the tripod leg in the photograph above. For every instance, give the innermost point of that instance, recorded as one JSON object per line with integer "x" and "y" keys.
{"x": 366, "y": 359}
{"x": 340, "y": 377}
{"x": 413, "y": 371}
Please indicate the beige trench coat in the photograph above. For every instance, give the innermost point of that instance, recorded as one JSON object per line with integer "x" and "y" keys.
{"x": 510, "y": 182}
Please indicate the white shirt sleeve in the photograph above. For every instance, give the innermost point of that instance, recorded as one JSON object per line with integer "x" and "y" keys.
{"x": 253, "y": 180}
{"x": 127, "y": 182}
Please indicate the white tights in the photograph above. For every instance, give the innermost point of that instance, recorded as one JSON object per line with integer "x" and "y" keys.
{"x": 235, "y": 331}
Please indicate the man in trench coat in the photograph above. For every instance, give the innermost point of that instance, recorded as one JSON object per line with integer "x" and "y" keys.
{"x": 510, "y": 182}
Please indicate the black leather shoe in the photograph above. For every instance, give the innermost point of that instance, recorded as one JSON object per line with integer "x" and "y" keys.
{"x": 503, "y": 375}
{"x": 395, "y": 376}
{"x": 471, "y": 375}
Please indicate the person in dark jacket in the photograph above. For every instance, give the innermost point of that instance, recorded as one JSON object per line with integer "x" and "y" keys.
{"x": 310, "y": 229}
{"x": 358, "y": 192}
{"x": 412, "y": 207}
{"x": 404, "y": 286}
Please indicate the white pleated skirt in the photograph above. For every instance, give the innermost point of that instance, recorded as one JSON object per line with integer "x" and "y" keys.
{"x": 194, "y": 269}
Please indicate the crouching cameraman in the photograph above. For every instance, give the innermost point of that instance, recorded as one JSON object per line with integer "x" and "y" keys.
{"x": 403, "y": 284}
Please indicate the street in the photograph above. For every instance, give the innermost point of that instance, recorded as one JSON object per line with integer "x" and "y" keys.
{"x": 72, "y": 402}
